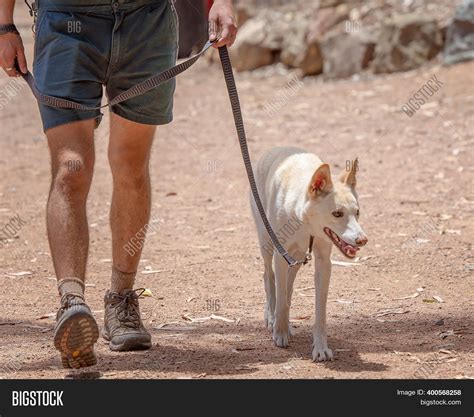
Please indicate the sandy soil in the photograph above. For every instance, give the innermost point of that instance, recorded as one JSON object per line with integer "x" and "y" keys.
{"x": 415, "y": 185}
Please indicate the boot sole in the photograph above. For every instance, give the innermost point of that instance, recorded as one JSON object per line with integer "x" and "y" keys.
{"x": 75, "y": 336}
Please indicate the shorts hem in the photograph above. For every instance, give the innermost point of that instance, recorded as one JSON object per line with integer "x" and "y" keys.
{"x": 75, "y": 117}
{"x": 146, "y": 120}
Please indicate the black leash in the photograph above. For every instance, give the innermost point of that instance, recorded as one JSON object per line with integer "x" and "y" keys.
{"x": 164, "y": 76}
{"x": 239, "y": 125}
{"x": 136, "y": 90}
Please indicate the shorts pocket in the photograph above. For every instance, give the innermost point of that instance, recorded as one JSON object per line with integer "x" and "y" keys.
{"x": 40, "y": 21}
{"x": 175, "y": 23}
{"x": 174, "y": 14}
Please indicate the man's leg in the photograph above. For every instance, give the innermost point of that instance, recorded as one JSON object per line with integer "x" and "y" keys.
{"x": 72, "y": 164}
{"x": 129, "y": 155}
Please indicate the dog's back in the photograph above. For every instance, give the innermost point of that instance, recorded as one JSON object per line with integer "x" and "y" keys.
{"x": 283, "y": 170}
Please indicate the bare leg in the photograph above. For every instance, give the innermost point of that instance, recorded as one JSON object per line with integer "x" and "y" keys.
{"x": 72, "y": 165}
{"x": 129, "y": 156}
{"x": 322, "y": 254}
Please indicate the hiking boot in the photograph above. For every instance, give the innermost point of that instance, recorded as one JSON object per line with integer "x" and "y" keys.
{"x": 75, "y": 333}
{"x": 123, "y": 327}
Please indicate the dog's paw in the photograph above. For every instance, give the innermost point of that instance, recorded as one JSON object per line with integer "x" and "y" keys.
{"x": 281, "y": 339}
{"x": 321, "y": 354}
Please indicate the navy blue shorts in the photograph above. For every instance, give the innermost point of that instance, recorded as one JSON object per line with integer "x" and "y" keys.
{"x": 83, "y": 45}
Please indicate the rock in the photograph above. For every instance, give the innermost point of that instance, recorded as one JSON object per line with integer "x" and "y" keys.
{"x": 271, "y": 34}
{"x": 345, "y": 54}
{"x": 406, "y": 42}
{"x": 329, "y": 3}
{"x": 298, "y": 52}
{"x": 325, "y": 20}
{"x": 244, "y": 12}
{"x": 277, "y": 26}
{"x": 250, "y": 50}
{"x": 460, "y": 35}
{"x": 299, "y": 48}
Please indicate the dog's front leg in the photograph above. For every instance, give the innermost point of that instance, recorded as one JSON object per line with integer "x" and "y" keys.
{"x": 322, "y": 276}
{"x": 281, "y": 326}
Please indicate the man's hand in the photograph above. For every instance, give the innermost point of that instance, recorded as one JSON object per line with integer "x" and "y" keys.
{"x": 222, "y": 23}
{"x": 11, "y": 47}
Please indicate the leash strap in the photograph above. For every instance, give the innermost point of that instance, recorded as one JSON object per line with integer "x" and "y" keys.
{"x": 161, "y": 78}
{"x": 239, "y": 125}
{"x": 136, "y": 90}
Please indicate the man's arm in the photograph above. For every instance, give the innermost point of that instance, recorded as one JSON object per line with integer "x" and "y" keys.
{"x": 11, "y": 45}
{"x": 222, "y": 23}
{"x": 6, "y": 11}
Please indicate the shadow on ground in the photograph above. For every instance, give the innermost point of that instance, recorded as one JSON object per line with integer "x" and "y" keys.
{"x": 242, "y": 349}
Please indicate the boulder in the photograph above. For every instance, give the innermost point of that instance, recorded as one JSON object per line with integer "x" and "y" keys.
{"x": 405, "y": 42}
{"x": 298, "y": 52}
{"x": 460, "y": 35}
{"x": 301, "y": 46}
{"x": 244, "y": 12}
{"x": 291, "y": 36}
{"x": 345, "y": 54}
{"x": 250, "y": 50}
{"x": 325, "y": 20}
{"x": 329, "y": 3}
{"x": 263, "y": 37}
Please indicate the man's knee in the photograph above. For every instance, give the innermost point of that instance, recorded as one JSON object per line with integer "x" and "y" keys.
{"x": 129, "y": 167}
{"x": 73, "y": 175}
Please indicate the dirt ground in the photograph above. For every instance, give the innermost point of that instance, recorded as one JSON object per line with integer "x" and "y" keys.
{"x": 416, "y": 196}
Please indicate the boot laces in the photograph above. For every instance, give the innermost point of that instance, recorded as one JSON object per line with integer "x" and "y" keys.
{"x": 127, "y": 309}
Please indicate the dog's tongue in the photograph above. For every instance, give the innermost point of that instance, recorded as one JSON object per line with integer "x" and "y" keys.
{"x": 348, "y": 248}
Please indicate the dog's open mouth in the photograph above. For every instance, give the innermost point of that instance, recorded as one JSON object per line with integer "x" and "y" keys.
{"x": 347, "y": 249}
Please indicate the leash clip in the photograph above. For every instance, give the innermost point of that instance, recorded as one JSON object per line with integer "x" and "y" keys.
{"x": 33, "y": 10}
{"x": 307, "y": 258}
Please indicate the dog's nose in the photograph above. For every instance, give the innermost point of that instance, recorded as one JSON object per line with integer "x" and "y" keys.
{"x": 361, "y": 241}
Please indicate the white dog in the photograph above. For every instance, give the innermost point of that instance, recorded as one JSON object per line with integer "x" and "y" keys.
{"x": 302, "y": 200}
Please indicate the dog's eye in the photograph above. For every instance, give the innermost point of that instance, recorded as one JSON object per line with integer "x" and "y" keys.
{"x": 358, "y": 212}
{"x": 338, "y": 213}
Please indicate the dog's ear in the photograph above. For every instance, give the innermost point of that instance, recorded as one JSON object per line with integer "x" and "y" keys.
{"x": 348, "y": 177}
{"x": 321, "y": 182}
